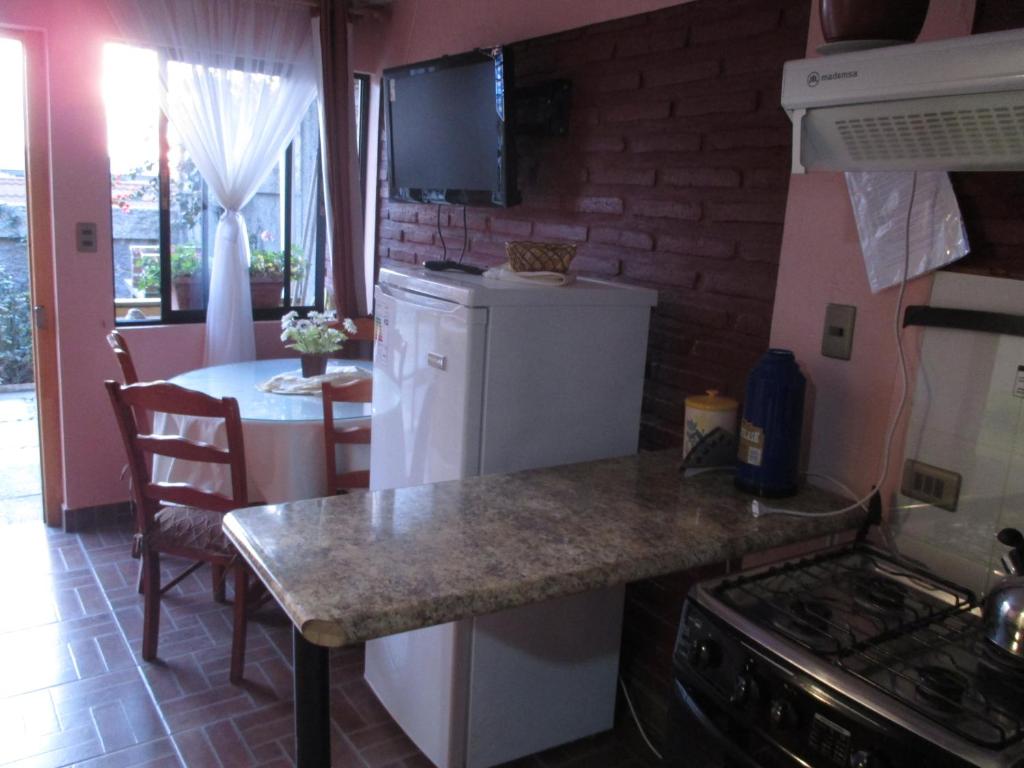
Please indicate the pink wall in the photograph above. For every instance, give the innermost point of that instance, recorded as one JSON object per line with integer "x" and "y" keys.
{"x": 820, "y": 258}
{"x": 425, "y": 29}
{"x": 75, "y": 32}
{"x": 850, "y": 402}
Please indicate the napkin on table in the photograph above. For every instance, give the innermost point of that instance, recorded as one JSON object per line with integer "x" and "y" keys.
{"x": 293, "y": 383}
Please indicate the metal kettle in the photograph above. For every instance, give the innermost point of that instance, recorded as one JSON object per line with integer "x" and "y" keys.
{"x": 1004, "y": 606}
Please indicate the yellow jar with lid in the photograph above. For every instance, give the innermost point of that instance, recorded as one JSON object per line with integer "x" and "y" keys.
{"x": 704, "y": 414}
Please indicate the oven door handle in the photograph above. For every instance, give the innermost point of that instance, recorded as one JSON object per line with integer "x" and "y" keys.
{"x": 728, "y": 746}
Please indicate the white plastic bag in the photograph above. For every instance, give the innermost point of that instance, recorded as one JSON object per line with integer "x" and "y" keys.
{"x": 880, "y": 200}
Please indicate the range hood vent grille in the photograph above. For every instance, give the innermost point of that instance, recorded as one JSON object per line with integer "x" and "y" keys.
{"x": 973, "y": 132}
{"x": 954, "y": 105}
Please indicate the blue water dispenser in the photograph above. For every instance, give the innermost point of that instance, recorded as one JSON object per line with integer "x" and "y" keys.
{"x": 769, "y": 437}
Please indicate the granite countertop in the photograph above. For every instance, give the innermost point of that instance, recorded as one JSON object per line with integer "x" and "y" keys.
{"x": 363, "y": 565}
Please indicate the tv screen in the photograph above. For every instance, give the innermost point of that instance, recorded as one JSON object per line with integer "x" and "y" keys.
{"x": 447, "y": 128}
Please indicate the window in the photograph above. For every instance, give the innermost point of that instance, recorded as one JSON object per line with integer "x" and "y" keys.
{"x": 162, "y": 252}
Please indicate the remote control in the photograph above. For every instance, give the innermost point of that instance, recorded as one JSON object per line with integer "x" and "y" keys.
{"x": 440, "y": 266}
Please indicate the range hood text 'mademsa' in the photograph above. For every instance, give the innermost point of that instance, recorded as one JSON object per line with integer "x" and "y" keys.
{"x": 951, "y": 105}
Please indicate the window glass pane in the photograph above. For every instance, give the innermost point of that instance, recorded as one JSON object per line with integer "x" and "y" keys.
{"x": 305, "y": 209}
{"x": 191, "y": 227}
{"x": 133, "y": 123}
{"x": 263, "y": 219}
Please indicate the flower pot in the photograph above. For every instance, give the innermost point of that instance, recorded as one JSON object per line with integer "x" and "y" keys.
{"x": 872, "y": 19}
{"x": 186, "y": 290}
{"x": 313, "y": 365}
{"x": 266, "y": 290}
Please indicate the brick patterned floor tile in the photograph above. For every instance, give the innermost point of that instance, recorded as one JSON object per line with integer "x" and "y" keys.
{"x": 106, "y": 708}
{"x": 196, "y": 749}
{"x": 152, "y": 754}
{"x": 375, "y": 734}
{"x": 386, "y": 753}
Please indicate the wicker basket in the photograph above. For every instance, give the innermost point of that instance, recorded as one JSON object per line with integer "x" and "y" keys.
{"x": 525, "y": 256}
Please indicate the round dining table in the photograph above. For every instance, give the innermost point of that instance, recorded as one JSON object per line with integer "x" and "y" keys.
{"x": 283, "y": 433}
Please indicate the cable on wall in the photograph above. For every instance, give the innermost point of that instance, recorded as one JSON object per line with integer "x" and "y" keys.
{"x": 756, "y": 507}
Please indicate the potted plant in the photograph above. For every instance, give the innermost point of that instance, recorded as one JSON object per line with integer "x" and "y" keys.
{"x": 146, "y": 280}
{"x": 315, "y": 337}
{"x": 186, "y": 275}
{"x": 266, "y": 277}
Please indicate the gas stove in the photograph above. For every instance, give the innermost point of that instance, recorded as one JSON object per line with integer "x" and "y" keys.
{"x": 847, "y": 658}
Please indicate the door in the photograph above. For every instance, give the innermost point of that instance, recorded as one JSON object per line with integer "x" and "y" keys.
{"x": 26, "y": 256}
{"x": 427, "y": 389}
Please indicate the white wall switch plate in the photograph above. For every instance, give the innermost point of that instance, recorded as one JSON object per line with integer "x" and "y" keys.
{"x": 85, "y": 236}
{"x": 837, "y": 336}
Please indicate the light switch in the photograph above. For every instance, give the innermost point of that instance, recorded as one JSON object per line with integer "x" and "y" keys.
{"x": 85, "y": 236}
{"x": 837, "y": 336}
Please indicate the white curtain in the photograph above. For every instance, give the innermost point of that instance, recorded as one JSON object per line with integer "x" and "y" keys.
{"x": 238, "y": 79}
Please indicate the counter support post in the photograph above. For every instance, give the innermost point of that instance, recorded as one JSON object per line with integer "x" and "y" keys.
{"x": 312, "y": 703}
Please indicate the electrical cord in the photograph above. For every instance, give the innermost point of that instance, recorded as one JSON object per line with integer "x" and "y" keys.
{"x": 465, "y": 235}
{"x": 444, "y": 247}
{"x": 632, "y": 711}
{"x": 760, "y": 510}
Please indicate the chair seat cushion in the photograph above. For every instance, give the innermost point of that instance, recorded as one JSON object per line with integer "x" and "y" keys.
{"x": 181, "y": 527}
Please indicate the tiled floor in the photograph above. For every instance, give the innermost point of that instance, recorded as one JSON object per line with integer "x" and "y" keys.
{"x": 20, "y": 498}
{"x": 73, "y": 690}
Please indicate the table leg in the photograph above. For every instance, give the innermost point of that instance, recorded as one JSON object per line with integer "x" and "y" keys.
{"x": 312, "y": 703}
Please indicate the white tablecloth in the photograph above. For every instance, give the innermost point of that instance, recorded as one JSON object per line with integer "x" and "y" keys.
{"x": 283, "y": 434}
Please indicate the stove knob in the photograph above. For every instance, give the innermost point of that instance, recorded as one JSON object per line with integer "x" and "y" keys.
{"x": 866, "y": 759}
{"x": 710, "y": 655}
{"x": 782, "y": 714}
{"x": 745, "y": 690}
{"x": 704, "y": 654}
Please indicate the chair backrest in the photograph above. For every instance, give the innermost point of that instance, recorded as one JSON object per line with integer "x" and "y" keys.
{"x": 363, "y": 335}
{"x": 123, "y": 356}
{"x": 364, "y": 329}
{"x": 162, "y": 397}
{"x": 358, "y": 391}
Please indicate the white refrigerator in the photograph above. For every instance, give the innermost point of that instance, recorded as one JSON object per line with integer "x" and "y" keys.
{"x": 478, "y": 376}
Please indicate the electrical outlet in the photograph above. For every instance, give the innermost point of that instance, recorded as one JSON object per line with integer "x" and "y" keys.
{"x": 837, "y": 336}
{"x": 932, "y": 485}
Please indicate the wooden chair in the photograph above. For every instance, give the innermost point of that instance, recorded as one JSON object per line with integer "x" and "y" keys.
{"x": 364, "y": 329}
{"x": 364, "y": 335}
{"x": 358, "y": 391}
{"x": 176, "y": 518}
{"x": 123, "y": 357}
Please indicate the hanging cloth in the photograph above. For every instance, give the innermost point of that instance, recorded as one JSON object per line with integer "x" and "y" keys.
{"x": 237, "y": 79}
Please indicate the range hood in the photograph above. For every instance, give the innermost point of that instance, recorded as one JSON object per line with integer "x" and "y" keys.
{"x": 950, "y": 105}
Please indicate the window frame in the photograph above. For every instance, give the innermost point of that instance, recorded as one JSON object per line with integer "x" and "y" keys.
{"x": 169, "y": 316}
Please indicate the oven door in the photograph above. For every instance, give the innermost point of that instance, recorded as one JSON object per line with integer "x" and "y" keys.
{"x": 702, "y": 735}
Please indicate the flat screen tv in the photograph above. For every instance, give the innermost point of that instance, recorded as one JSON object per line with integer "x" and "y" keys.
{"x": 448, "y": 132}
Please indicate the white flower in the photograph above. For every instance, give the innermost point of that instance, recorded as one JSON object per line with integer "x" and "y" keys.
{"x": 313, "y": 334}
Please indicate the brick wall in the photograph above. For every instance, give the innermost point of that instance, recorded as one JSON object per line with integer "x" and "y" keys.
{"x": 992, "y": 204}
{"x": 673, "y": 175}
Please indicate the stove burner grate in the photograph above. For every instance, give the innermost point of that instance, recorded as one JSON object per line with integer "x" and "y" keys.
{"x": 877, "y": 593}
{"x": 941, "y": 687}
{"x": 945, "y": 671}
{"x": 807, "y": 621}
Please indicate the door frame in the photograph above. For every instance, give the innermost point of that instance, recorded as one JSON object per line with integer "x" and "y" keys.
{"x": 42, "y": 278}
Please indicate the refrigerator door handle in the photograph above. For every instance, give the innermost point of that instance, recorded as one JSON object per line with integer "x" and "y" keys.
{"x": 418, "y": 299}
